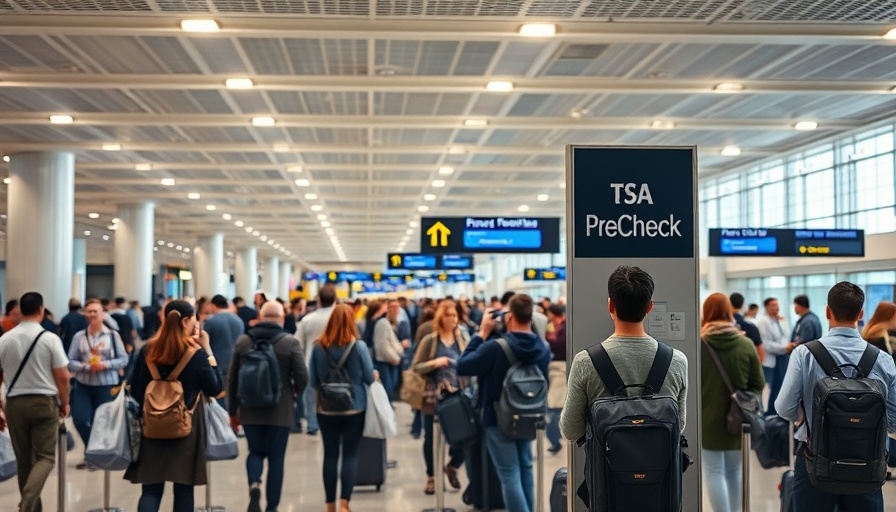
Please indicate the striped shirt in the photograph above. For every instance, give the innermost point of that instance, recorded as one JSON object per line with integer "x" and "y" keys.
{"x": 85, "y": 345}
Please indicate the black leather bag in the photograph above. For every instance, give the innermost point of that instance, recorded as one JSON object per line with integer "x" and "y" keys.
{"x": 457, "y": 418}
{"x": 336, "y": 393}
{"x": 744, "y": 407}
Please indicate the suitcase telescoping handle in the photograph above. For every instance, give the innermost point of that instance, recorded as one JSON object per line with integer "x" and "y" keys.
{"x": 61, "y": 453}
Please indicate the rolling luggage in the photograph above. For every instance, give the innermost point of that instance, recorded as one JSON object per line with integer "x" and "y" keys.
{"x": 372, "y": 461}
{"x": 559, "y": 491}
{"x": 786, "y": 489}
{"x": 891, "y": 460}
{"x": 484, "y": 490}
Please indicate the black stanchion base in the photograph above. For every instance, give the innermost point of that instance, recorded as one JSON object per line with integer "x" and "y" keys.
{"x": 213, "y": 508}
{"x": 110, "y": 509}
{"x": 434, "y": 510}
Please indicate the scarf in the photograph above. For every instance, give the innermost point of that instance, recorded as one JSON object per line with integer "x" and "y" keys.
{"x": 714, "y": 328}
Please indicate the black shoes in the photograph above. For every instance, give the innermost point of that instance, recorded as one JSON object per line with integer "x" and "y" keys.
{"x": 254, "y": 500}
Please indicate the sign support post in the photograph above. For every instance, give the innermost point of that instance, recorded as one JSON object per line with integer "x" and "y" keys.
{"x": 635, "y": 206}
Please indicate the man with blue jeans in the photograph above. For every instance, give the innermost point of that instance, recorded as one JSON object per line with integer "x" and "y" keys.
{"x": 843, "y": 342}
{"x": 777, "y": 349}
{"x": 487, "y": 361}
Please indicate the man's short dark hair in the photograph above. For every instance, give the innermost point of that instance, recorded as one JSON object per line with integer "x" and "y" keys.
{"x": 120, "y": 301}
{"x": 802, "y": 301}
{"x": 521, "y": 308}
{"x": 737, "y": 300}
{"x": 768, "y": 301}
{"x": 30, "y": 303}
{"x": 219, "y": 301}
{"x": 557, "y": 309}
{"x": 505, "y": 299}
{"x": 327, "y": 296}
{"x": 846, "y": 301}
{"x": 631, "y": 290}
{"x": 105, "y": 302}
{"x": 752, "y": 306}
{"x": 74, "y": 304}
{"x": 238, "y": 300}
{"x": 11, "y": 305}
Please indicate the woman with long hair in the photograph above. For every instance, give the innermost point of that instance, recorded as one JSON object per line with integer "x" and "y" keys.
{"x": 341, "y": 430}
{"x": 880, "y": 331}
{"x": 436, "y": 359}
{"x": 721, "y": 451}
{"x": 179, "y": 342}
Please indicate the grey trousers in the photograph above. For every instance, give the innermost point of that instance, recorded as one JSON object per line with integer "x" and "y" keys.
{"x": 33, "y": 425}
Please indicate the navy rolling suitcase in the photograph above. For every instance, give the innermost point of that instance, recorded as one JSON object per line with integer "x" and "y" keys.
{"x": 558, "y": 491}
{"x": 371, "y": 462}
{"x": 484, "y": 490}
{"x": 786, "y": 489}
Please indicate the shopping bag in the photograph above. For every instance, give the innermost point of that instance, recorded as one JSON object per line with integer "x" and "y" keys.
{"x": 7, "y": 457}
{"x": 135, "y": 427}
{"x": 379, "y": 419}
{"x": 110, "y": 443}
{"x": 222, "y": 443}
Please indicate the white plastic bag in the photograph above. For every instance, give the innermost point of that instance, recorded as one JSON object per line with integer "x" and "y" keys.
{"x": 222, "y": 443}
{"x": 110, "y": 443}
{"x": 379, "y": 419}
{"x": 7, "y": 457}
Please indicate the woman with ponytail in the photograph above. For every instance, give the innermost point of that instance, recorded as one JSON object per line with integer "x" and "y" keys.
{"x": 181, "y": 461}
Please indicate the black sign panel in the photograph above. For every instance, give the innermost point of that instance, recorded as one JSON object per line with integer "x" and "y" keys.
{"x": 633, "y": 202}
{"x": 440, "y": 235}
{"x": 787, "y": 242}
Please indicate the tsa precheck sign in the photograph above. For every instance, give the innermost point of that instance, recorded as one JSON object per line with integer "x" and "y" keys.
{"x": 634, "y": 202}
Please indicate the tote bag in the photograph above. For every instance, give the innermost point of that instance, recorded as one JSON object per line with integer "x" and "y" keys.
{"x": 222, "y": 443}
{"x": 379, "y": 419}
{"x": 110, "y": 443}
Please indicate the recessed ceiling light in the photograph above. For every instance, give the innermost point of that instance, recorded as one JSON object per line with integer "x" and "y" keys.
{"x": 429, "y": 197}
{"x": 93, "y": 215}
{"x": 156, "y": 249}
{"x": 661, "y": 124}
{"x": 186, "y": 249}
{"x": 87, "y": 233}
{"x": 61, "y": 119}
{"x": 239, "y": 83}
{"x": 200, "y": 26}
{"x": 728, "y": 87}
{"x": 270, "y": 242}
{"x": 179, "y": 247}
{"x": 523, "y": 208}
{"x": 167, "y": 182}
{"x": 276, "y": 246}
{"x": 456, "y": 150}
{"x": 238, "y": 223}
{"x": 263, "y": 237}
{"x": 499, "y": 86}
{"x": 248, "y": 229}
{"x": 446, "y": 170}
{"x": 302, "y": 183}
{"x": 106, "y": 237}
{"x": 891, "y": 34}
{"x": 143, "y": 167}
{"x": 7, "y": 180}
{"x": 324, "y": 223}
{"x": 562, "y": 184}
{"x": 226, "y": 216}
{"x": 577, "y": 114}
{"x": 193, "y": 195}
{"x": 6, "y": 158}
{"x": 322, "y": 216}
{"x": 805, "y": 125}
{"x": 329, "y": 231}
{"x": 538, "y": 30}
{"x": 409, "y": 232}
{"x": 256, "y": 233}
{"x": 111, "y": 147}
{"x": 316, "y": 208}
{"x": 413, "y": 224}
{"x": 438, "y": 183}
{"x": 294, "y": 168}
{"x": 161, "y": 242}
{"x": 281, "y": 148}
{"x": 112, "y": 227}
{"x": 263, "y": 121}
{"x": 475, "y": 123}
{"x": 171, "y": 245}
{"x": 311, "y": 196}
{"x": 730, "y": 151}
{"x": 423, "y": 209}
{"x": 543, "y": 197}
{"x": 115, "y": 220}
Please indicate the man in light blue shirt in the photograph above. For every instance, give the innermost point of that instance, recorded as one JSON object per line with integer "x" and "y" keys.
{"x": 308, "y": 331}
{"x": 843, "y": 342}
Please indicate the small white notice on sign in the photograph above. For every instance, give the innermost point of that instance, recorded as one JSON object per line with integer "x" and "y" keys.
{"x": 656, "y": 321}
{"x": 675, "y": 326}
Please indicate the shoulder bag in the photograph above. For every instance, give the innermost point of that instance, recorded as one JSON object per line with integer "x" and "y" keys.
{"x": 743, "y": 407}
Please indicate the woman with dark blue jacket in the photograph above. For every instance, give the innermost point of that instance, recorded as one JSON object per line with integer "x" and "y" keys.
{"x": 341, "y": 429}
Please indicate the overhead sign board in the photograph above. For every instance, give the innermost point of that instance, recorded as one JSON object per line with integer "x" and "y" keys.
{"x": 545, "y": 274}
{"x": 786, "y": 242}
{"x": 440, "y": 235}
{"x": 413, "y": 261}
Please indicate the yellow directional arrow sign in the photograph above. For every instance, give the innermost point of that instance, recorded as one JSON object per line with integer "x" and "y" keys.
{"x": 438, "y": 235}
{"x": 332, "y": 276}
{"x": 531, "y": 273}
{"x": 396, "y": 260}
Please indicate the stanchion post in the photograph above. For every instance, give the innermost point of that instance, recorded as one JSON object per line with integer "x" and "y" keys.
{"x": 539, "y": 469}
{"x": 570, "y": 487}
{"x": 438, "y": 463}
{"x": 107, "y": 495}
{"x": 745, "y": 466}
{"x": 61, "y": 469}
{"x": 208, "y": 493}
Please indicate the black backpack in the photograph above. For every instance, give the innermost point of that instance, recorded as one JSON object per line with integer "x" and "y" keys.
{"x": 633, "y": 445}
{"x": 524, "y": 398}
{"x": 847, "y": 451}
{"x": 337, "y": 393}
{"x": 259, "y": 375}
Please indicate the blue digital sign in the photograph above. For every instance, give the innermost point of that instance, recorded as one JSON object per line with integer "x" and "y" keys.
{"x": 457, "y": 262}
{"x": 413, "y": 261}
{"x": 502, "y": 239}
{"x": 545, "y": 274}
{"x": 461, "y": 278}
{"x": 440, "y": 235}
{"x": 786, "y": 242}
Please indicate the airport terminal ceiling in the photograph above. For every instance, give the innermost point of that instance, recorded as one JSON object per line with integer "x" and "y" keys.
{"x": 329, "y": 127}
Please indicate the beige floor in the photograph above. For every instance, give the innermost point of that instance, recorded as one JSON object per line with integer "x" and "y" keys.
{"x": 303, "y": 489}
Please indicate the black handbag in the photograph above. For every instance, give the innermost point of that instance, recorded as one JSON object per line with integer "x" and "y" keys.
{"x": 744, "y": 407}
{"x": 457, "y": 418}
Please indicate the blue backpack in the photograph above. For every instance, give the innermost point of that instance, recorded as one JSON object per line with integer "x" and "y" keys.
{"x": 259, "y": 374}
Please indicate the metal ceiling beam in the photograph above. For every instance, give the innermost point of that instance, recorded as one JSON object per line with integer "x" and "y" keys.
{"x": 464, "y": 28}
{"x": 114, "y": 197}
{"x": 434, "y": 84}
{"x": 183, "y": 183}
{"x": 310, "y": 167}
{"x": 418, "y": 122}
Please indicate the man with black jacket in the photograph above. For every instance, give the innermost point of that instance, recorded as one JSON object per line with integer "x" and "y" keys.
{"x": 487, "y": 361}
{"x": 750, "y": 329}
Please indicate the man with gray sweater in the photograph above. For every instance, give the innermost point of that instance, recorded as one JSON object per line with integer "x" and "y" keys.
{"x": 630, "y": 349}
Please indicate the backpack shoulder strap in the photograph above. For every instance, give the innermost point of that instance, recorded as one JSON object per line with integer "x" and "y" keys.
{"x": 511, "y": 357}
{"x": 153, "y": 370}
{"x": 344, "y": 357}
{"x": 869, "y": 357}
{"x": 824, "y": 358}
{"x": 661, "y": 363}
{"x": 279, "y": 337}
{"x": 184, "y": 360}
{"x": 718, "y": 363}
{"x": 24, "y": 362}
{"x": 605, "y": 370}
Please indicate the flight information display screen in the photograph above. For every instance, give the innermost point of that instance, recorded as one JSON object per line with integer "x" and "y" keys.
{"x": 786, "y": 242}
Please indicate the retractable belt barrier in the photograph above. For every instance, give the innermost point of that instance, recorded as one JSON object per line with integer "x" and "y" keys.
{"x": 745, "y": 465}
{"x": 438, "y": 470}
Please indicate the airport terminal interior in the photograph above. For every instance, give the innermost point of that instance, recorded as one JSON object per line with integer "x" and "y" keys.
{"x": 157, "y": 149}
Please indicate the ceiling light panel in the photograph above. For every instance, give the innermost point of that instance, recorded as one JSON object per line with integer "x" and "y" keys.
{"x": 239, "y": 83}
{"x": 61, "y": 119}
{"x": 538, "y": 30}
{"x": 200, "y": 25}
